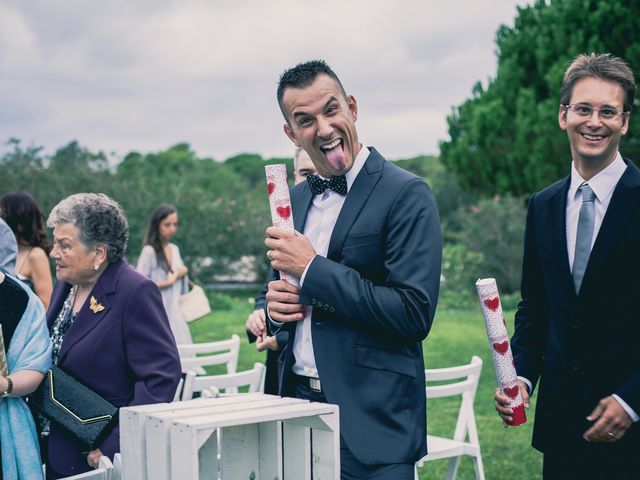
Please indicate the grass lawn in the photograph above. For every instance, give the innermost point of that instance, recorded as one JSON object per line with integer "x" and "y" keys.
{"x": 456, "y": 336}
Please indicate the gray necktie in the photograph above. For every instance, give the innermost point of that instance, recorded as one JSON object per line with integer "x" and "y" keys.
{"x": 584, "y": 235}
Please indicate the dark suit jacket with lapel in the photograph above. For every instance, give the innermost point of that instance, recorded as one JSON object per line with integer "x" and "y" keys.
{"x": 582, "y": 347}
{"x": 373, "y": 300}
{"x": 126, "y": 353}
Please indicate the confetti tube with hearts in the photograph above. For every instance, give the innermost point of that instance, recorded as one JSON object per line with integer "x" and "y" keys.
{"x": 500, "y": 347}
{"x": 281, "y": 213}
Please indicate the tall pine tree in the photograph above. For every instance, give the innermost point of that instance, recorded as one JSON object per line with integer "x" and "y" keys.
{"x": 505, "y": 138}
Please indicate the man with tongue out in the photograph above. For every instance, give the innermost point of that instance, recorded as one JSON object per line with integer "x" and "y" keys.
{"x": 367, "y": 250}
{"x": 577, "y": 327}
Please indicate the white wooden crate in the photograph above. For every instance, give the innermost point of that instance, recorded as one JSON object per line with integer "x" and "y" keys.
{"x": 296, "y": 441}
{"x": 247, "y": 436}
{"x": 132, "y": 431}
{"x": 157, "y": 426}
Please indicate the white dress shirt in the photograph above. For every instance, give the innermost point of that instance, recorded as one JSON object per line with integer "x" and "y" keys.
{"x": 603, "y": 184}
{"x": 321, "y": 218}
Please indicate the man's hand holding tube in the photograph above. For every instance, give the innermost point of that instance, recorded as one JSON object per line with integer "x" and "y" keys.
{"x": 290, "y": 253}
{"x": 283, "y": 302}
{"x": 502, "y": 403}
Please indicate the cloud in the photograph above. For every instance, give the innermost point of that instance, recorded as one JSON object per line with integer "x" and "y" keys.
{"x": 121, "y": 76}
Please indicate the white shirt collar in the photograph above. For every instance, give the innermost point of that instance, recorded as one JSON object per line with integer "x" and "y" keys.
{"x": 603, "y": 182}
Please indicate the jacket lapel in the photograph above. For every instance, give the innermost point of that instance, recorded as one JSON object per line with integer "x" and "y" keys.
{"x": 557, "y": 220}
{"x": 88, "y": 318}
{"x": 301, "y": 202}
{"x": 355, "y": 200}
{"x": 622, "y": 205}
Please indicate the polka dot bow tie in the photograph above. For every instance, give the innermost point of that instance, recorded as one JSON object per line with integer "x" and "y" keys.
{"x": 319, "y": 185}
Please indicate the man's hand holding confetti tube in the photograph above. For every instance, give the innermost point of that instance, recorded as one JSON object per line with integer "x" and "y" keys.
{"x": 512, "y": 397}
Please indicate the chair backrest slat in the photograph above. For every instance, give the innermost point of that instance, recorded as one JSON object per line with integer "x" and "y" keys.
{"x": 229, "y": 382}
{"x": 224, "y": 352}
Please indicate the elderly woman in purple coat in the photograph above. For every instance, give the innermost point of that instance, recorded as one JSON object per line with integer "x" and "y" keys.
{"x": 108, "y": 326}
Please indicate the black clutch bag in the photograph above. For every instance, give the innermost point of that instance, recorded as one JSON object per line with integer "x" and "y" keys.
{"x": 74, "y": 407}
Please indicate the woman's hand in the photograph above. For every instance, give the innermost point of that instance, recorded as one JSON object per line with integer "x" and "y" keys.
{"x": 182, "y": 271}
{"x": 171, "y": 278}
{"x": 93, "y": 459}
{"x": 24, "y": 382}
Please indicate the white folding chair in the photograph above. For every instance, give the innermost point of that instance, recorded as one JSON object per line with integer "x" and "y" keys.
{"x": 465, "y": 439}
{"x": 178, "y": 394}
{"x": 195, "y": 356}
{"x": 116, "y": 473}
{"x": 103, "y": 472}
{"x": 228, "y": 383}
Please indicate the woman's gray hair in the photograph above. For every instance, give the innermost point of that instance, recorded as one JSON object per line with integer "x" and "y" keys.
{"x": 98, "y": 218}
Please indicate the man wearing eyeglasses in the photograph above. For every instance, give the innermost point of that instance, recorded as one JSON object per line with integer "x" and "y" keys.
{"x": 577, "y": 329}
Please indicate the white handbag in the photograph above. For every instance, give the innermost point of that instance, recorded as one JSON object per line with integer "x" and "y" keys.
{"x": 194, "y": 304}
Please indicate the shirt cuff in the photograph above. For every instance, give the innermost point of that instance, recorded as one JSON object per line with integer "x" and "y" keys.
{"x": 528, "y": 384}
{"x": 304, "y": 274}
{"x": 273, "y": 322}
{"x": 627, "y": 408}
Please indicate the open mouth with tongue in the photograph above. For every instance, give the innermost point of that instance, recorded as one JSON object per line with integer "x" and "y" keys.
{"x": 334, "y": 152}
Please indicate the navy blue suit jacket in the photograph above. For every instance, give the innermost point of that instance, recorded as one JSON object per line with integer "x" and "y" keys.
{"x": 126, "y": 353}
{"x": 581, "y": 347}
{"x": 373, "y": 300}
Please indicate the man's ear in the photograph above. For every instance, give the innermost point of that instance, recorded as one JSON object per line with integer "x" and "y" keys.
{"x": 562, "y": 117}
{"x": 292, "y": 136}
{"x": 625, "y": 125}
{"x": 353, "y": 107}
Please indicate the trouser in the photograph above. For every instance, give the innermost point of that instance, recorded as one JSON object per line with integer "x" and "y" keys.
{"x": 350, "y": 467}
{"x": 591, "y": 461}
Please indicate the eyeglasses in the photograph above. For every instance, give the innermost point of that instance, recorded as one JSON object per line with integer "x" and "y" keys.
{"x": 584, "y": 110}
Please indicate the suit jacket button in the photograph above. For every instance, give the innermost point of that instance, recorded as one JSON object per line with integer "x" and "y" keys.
{"x": 313, "y": 301}
{"x": 319, "y": 303}
{"x": 326, "y": 307}
{"x": 332, "y": 309}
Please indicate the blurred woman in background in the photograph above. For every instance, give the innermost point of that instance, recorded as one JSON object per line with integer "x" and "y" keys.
{"x": 108, "y": 327}
{"x": 23, "y": 214}
{"x": 160, "y": 260}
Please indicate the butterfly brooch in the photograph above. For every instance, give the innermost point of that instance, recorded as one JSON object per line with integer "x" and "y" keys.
{"x": 94, "y": 306}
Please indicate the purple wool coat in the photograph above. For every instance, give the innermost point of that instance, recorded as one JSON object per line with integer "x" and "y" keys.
{"x": 126, "y": 353}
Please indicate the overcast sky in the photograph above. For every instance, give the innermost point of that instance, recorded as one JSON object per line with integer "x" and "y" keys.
{"x": 123, "y": 75}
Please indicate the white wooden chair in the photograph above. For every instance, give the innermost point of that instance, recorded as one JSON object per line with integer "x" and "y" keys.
{"x": 178, "y": 395}
{"x": 103, "y": 472}
{"x": 195, "y": 356}
{"x": 465, "y": 439}
{"x": 229, "y": 382}
{"x": 116, "y": 474}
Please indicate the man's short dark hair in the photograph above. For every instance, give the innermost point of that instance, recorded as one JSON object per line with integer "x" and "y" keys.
{"x": 303, "y": 75}
{"x": 603, "y": 66}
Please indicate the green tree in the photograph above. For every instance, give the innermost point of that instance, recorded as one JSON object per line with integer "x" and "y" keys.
{"x": 449, "y": 194}
{"x": 493, "y": 227}
{"x": 505, "y": 138}
{"x": 71, "y": 169}
{"x": 223, "y": 211}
